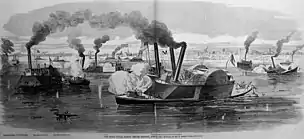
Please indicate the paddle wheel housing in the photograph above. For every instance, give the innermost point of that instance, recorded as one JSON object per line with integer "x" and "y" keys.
{"x": 198, "y": 83}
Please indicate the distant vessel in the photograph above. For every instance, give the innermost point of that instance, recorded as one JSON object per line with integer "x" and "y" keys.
{"x": 246, "y": 64}
{"x": 278, "y": 70}
{"x": 39, "y": 78}
{"x": 15, "y": 60}
{"x": 57, "y": 59}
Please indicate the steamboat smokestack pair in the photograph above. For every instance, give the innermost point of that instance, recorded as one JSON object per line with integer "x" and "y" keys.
{"x": 175, "y": 69}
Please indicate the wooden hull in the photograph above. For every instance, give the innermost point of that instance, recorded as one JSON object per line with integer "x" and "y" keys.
{"x": 275, "y": 72}
{"x": 124, "y": 100}
{"x": 41, "y": 78}
{"x": 245, "y": 65}
{"x": 38, "y": 82}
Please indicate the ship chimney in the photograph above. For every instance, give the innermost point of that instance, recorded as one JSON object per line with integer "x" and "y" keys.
{"x": 173, "y": 64}
{"x": 180, "y": 61}
{"x": 273, "y": 62}
{"x": 29, "y": 57}
{"x": 83, "y": 59}
{"x": 157, "y": 60}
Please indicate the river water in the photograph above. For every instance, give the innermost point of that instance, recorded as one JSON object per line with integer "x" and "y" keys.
{"x": 277, "y": 105}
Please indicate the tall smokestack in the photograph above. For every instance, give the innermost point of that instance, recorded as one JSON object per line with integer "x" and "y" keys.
{"x": 157, "y": 59}
{"x": 83, "y": 59}
{"x": 180, "y": 61}
{"x": 29, "y": 57}
{"x": 173, "y": 65}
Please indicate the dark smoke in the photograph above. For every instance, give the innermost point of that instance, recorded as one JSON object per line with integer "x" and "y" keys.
{"x": 98, "y": 43}
{"x": 281, "y": 42}
{"x": 249, "y": 40}
{"x": 7, "y": 46}
{"x": 155, "y": 32}
{"x": 108, "y": 20}
{"x": 138, "y": 23}
{"x": 78, "y": 46}
{"x": 297, "y": 49}
{"x": 119, "y": 48}
{"x": 57, "y": 21}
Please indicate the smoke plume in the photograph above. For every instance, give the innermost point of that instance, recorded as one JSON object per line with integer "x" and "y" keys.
{"x": 77, "y": 45}
{"x": 297, "y": 49}
{"x": 99, "y": 41}
{"x": 57, "y": 21}
{"x": 119, "y": 48}
{"x": 7, "y": 46}
{"x": 249, "y": 40}
{"x": 281, "y": 42}
{"x": 155, "y": 32}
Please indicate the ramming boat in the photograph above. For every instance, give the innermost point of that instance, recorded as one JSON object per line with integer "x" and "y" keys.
{"x": 202, "y": 84}
{"x": 279, "y": 70}
{"x": 40, "y": 77}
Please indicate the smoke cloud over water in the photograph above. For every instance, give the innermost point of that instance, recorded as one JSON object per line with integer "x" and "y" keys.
{"x": 297, "y": 49}
{"x": 57, "y": 21}
{"x": 249, "y": 40}
{"x": 99, "y": 41}
{"x": 146, "y": 32}
{"x": 154, "y": 32}
{"x": 119, "y": 48}
{"x": 281, "y": 42}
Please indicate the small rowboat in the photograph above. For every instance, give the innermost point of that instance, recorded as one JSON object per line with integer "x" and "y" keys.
{"x": 125, "y": 100}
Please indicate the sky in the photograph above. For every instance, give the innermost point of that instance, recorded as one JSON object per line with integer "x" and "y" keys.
{"x": 292, "y": 7}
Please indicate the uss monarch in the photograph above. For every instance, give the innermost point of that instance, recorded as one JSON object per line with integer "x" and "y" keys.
{"x": 200, "y": 83}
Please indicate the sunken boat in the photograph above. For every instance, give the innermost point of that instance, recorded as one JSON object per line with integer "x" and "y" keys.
{"x": 44, "y": 77}
{"x": 199, "y": 83}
